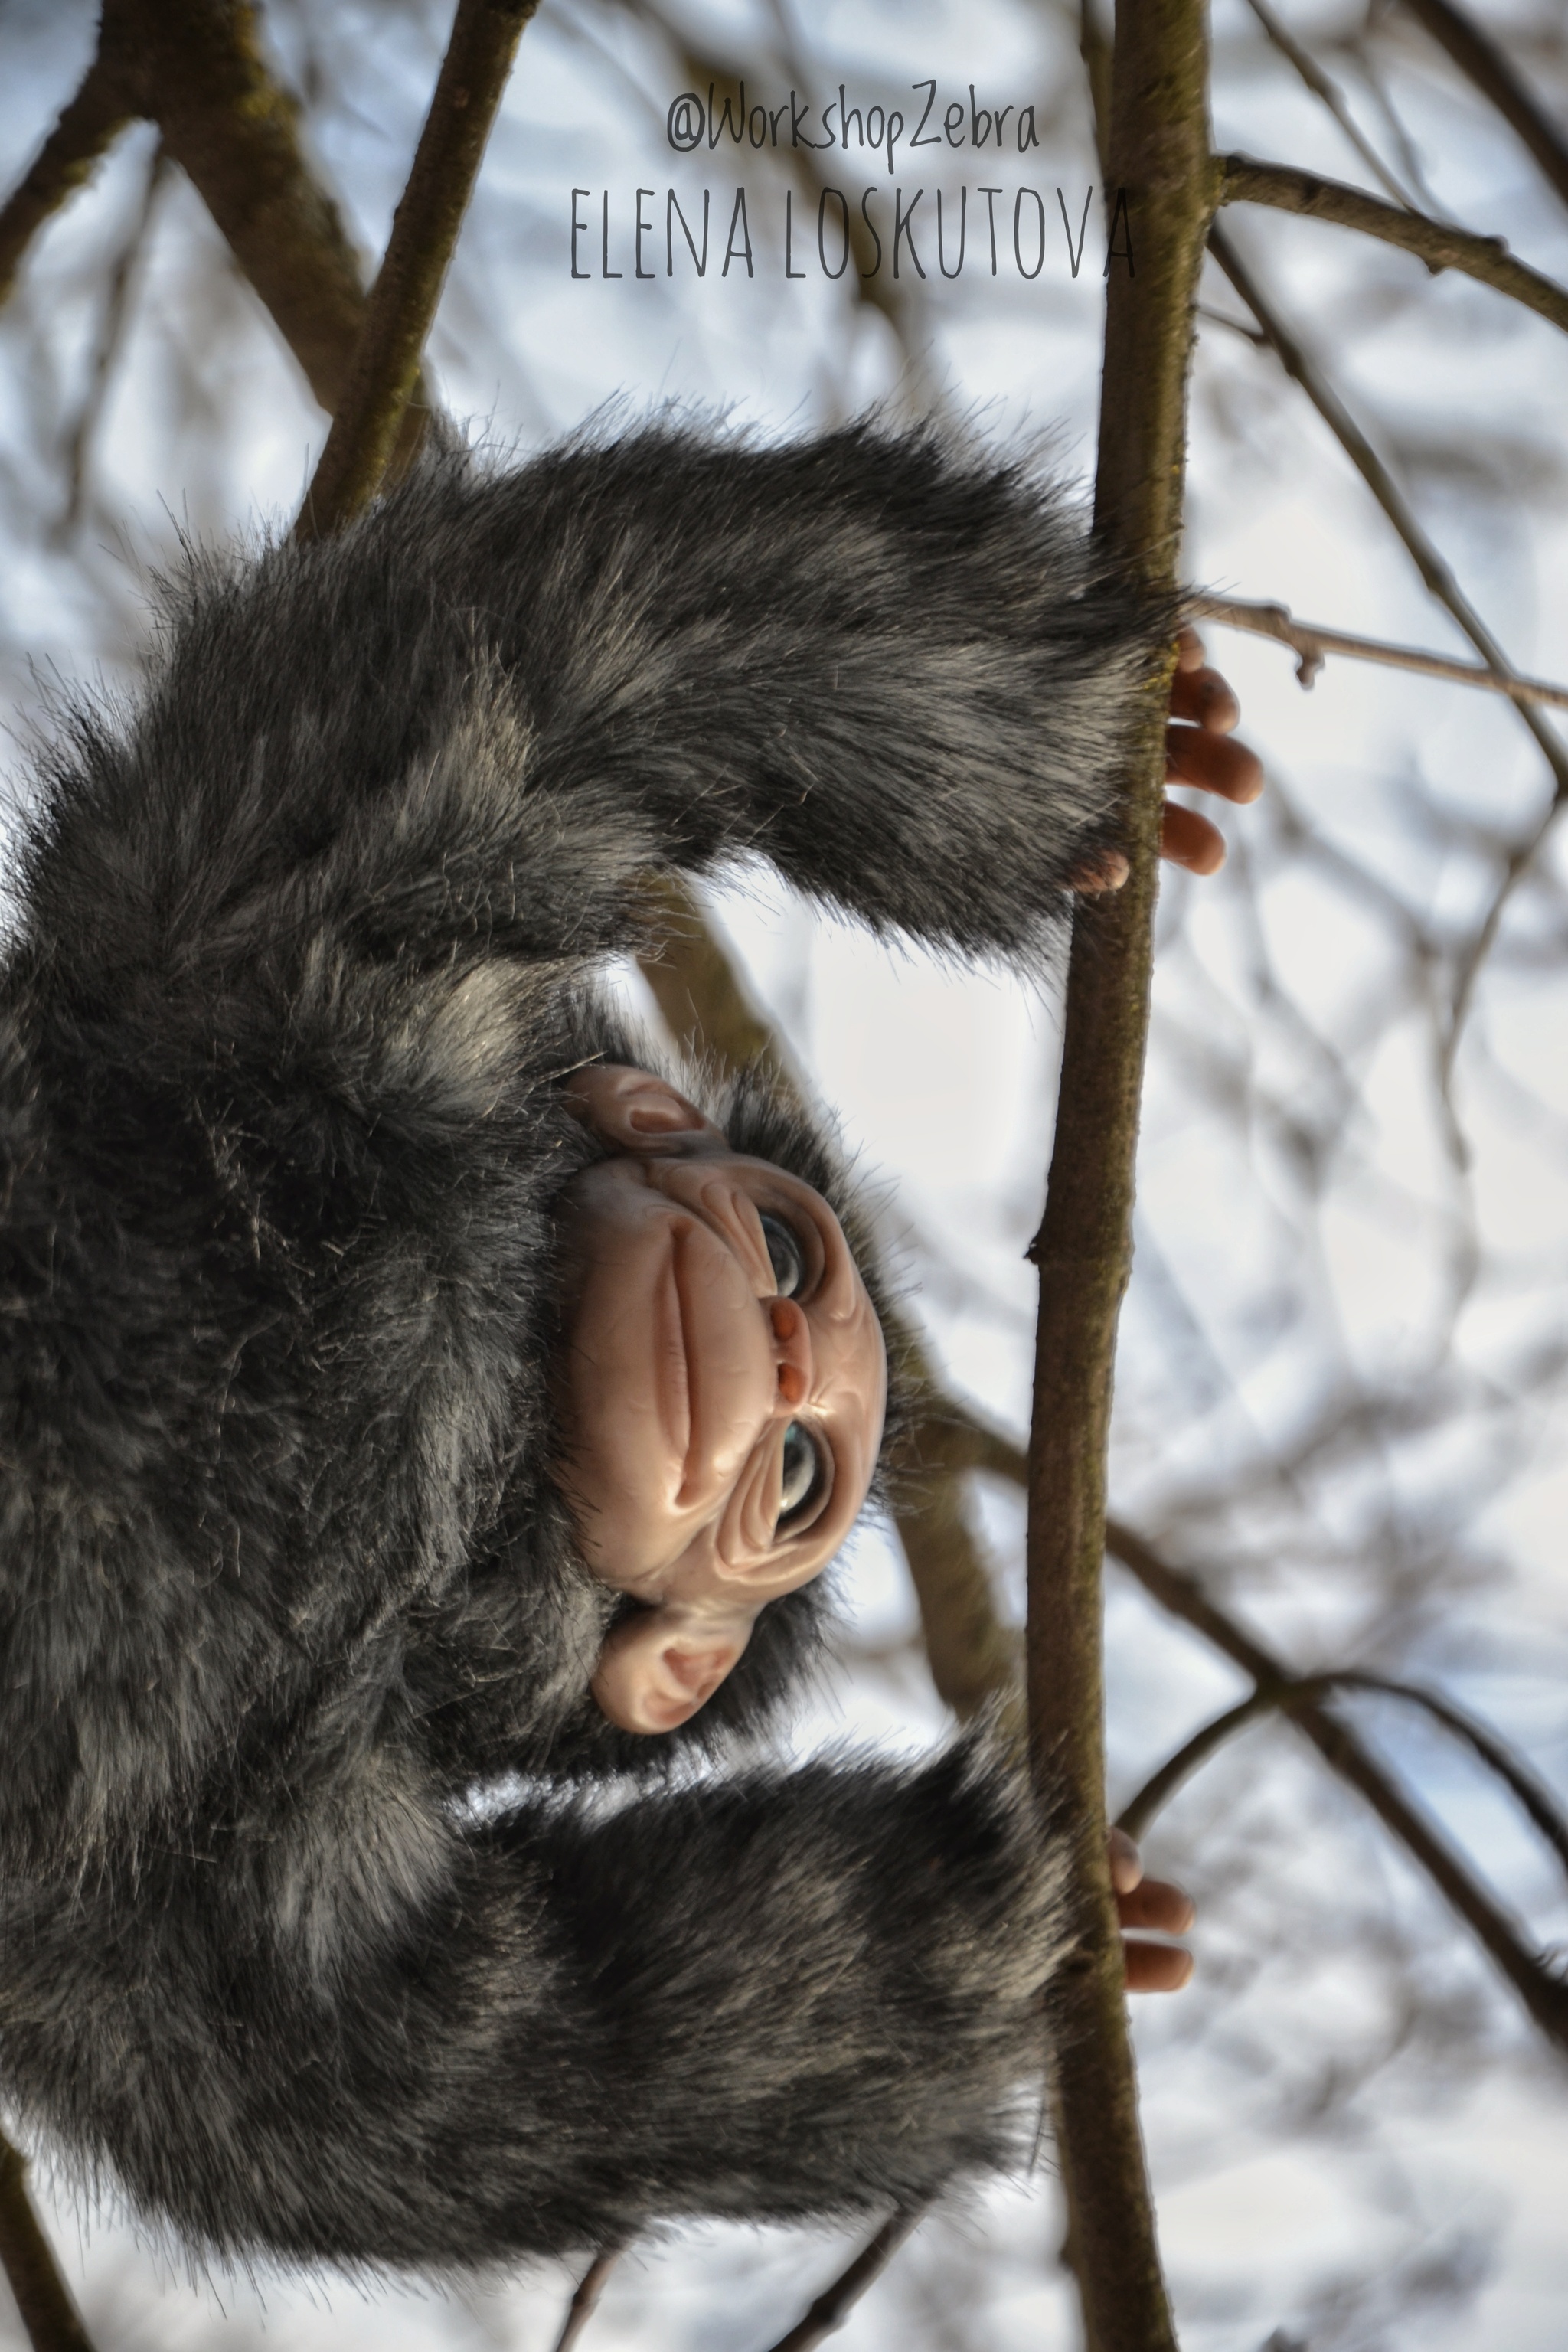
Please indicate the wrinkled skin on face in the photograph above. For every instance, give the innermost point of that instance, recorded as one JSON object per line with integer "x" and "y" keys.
{"x": 722, "y": 1387}
{"x": 724, "y": 1380}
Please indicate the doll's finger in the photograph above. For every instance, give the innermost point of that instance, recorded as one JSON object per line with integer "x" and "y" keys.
{"x": 1126, "y": 1864}
{"x": 1195, "y": 755}
{"x": 1155, "y": 1968}
{"x": 1204, "y": 696}
{"x": 1108, "y": 871}
{"x": 1155, "y": 1903}
{"x": 1189, "y": 648}
{"x": 1190, "y": 840}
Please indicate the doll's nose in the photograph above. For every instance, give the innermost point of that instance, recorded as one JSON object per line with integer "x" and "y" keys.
{"x": 792, "y": 1351}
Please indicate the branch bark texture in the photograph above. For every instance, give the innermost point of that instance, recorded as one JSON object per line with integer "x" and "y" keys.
{"x": 1159, "y": 155}
{"x": 85, "y": 131}
{"x": 1485, "y": 259}
{"x": 43, "y": 2299}
{"x": 365, "y": 426}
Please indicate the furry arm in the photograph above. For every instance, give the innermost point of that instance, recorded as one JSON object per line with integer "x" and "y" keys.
{"x": 781, "y": 1997}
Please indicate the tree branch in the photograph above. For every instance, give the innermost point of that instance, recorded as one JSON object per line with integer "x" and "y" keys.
{"x": 834, "y": 2304}
{"x": 1160, "y": 1787}
{"x": 1289, "y": 1695}
{"x": 1159, "y": 155}
{"x": 1485, "y": 259}
{"x": 1328, "y": 94}
{"x": 586, "y": 2296}
{"x": 1479, "y": 57}
{"x": 1544, "y": 1995}
{"x": 1312, "y": 642}
{"x": 483, "y": 42}
{"x": 1441, "y": 583}
{"x": 42, "y": 2297}
{"x": 1434, "y": 570}
{"x": 86, "y": 130}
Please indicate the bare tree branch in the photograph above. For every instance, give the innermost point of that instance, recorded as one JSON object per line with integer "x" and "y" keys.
{"x": 586, "y": 2296}
{"x": 1160, "y": 1787}
{"x": 1312, "y": 642}
{"x": 1543, "y": 1994}
{"x": 1301, "y": 1690}
{"x": 42, "y": 2297}
{"x": 834, "y": 2304}
{"x": 1441, "y": 583}
{"x": 1479, "y": 57}
{"x": 1158, "y": 154}
{"x": 1485, "y": 259}
{"x": 111, "y": 335}
{"x": 195, "y": 69}
{"x": 483, "y": 42}
{"x": 1434, "y": 572}
{"x": 1330, "y": 94}
{"x": 84, "y": 133}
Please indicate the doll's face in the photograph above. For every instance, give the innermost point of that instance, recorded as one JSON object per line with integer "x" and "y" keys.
{"x": 723, "y": 1388}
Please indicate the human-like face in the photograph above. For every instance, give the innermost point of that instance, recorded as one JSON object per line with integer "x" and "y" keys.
{"x": 722, "y": 1389}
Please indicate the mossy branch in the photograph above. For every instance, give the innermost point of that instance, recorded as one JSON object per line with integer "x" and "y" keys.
{"x": 365, "y": 426}
{"x": 84, "y": 133}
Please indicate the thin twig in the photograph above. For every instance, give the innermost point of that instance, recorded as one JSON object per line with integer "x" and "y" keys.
{"x": 86, "y": 130}
{"x": 1296, "y": 1691}
{"x": 1485, "y": 259}
{"x": 484, "y": 39}
{"x": 111, "y": 334}
{"x": 1441, "y": 583}
{"x": 1312, "y": 642}
{"x": 1477, "y": 56}
{"x": 47, "y": 2311}
{"x": 1160, "y": 1787}
{"x": 1328, "y": 94}
{"x": 1528, "y": 1792}
{"x": 586, "y": 2296}
{"x": 834, "y": 2304}
{"x": 980, "y": 1447}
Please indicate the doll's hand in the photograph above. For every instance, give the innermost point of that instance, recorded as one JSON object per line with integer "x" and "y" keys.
{"x": 1149, "y": 1902}
{"x": 1198, "y": 751}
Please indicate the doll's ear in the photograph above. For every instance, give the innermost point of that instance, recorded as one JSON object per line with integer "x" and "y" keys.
{"x": 658, "y": 1667}
{"x": 635, "y": 1111}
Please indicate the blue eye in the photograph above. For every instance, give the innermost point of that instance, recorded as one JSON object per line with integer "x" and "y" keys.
{"x": 784, "y": 1256}
{"x": 803, "y": 1472}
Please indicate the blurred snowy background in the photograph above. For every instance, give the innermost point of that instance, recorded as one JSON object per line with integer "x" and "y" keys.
{"x": 1341, "y": 1386}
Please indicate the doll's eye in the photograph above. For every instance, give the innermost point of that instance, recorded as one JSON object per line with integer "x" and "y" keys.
{"x": 785, "y": 1256}
{"x": 803, "y": 1472}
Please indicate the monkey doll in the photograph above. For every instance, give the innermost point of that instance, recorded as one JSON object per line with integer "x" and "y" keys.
{"x": 423, "y": 1426}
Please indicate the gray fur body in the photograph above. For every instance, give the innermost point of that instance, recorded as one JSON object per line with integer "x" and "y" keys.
{"x": 307, "y": 943}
